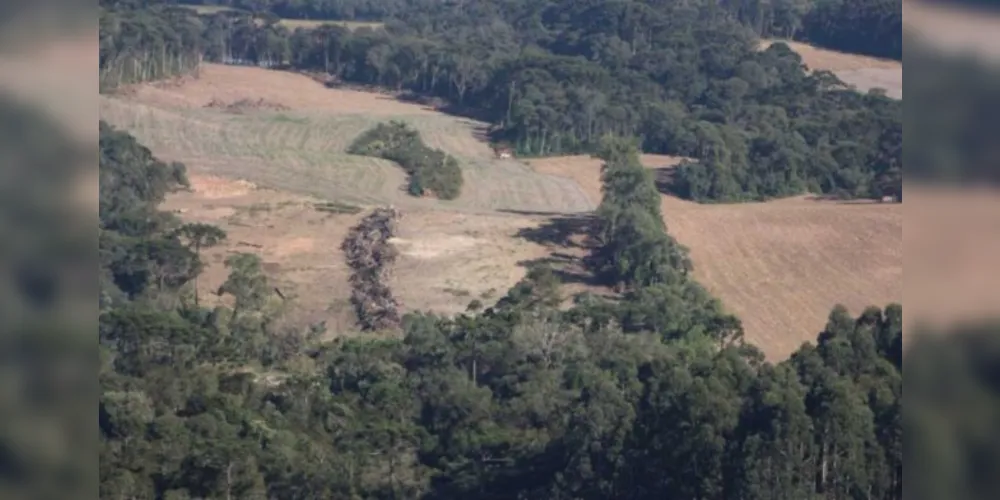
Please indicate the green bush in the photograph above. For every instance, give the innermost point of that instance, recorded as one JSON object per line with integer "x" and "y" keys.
{"x": 429, "y": 169}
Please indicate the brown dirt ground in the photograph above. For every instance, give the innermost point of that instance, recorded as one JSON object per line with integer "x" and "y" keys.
{"x": 782, "y": 265}
{"x": 447, "y": 259}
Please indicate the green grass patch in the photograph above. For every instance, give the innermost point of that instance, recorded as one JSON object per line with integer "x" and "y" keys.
{"x": 333, "y": 207}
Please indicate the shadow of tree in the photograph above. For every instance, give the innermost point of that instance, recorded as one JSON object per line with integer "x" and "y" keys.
{"x": 572, "y": 233}
{"x": 567, "y": 231}
{"x": 664, "y": 179}
{"x": 568, "y": 269}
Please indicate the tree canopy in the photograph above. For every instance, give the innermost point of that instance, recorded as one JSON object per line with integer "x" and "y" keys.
{"x": 686, "y": 78}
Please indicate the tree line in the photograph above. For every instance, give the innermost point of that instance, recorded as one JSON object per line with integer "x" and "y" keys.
{"x": 857, "y": 26}
{"x": 687, "y": 78}
{"x": 639, "y": 397}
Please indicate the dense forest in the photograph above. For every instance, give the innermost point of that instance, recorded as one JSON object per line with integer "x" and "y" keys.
{"x": 686, "y": 78}
{"x": 869, "y": 27}
{"x": 655, "y": 395}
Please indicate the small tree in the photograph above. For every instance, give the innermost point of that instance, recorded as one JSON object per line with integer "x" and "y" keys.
{"x": 246, "y": 283}
{"x": 200, "y": 236}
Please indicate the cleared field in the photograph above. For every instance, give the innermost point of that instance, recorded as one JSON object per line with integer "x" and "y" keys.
{"x": 302, "y": 149}
{"x": 447, "y": 258}
{"x": 780, "y": 266}
{"x": 863, "y": 72}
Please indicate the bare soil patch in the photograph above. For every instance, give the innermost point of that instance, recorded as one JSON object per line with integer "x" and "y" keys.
{"x": 447, "y": 259}
{"x": 781, "y": 265}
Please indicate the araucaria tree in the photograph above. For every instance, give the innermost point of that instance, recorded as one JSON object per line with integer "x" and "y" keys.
{"x": 371, "y": 256}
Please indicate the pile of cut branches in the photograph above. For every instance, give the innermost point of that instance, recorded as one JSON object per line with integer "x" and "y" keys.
{"x": 371, "y": 257}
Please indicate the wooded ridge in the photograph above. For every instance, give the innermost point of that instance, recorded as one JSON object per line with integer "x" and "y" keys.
{"x": 686, "y": 78}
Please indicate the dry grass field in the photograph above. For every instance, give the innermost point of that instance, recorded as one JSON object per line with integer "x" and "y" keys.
{"x": 863, "y": 72}
{"x": 302, "y": 149}
{"x": 781, "y": 265}
{"x": 293, "y": 23}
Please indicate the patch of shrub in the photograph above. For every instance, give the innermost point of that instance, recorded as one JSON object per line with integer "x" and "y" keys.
{"x": 429, "y": 169}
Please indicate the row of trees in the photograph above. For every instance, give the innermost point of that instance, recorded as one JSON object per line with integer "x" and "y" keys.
{"x": 632, "y": 398}
{"x": 139, "y": 46}
{"x": 686, "y": 78}
{"x": 429, "y": 169}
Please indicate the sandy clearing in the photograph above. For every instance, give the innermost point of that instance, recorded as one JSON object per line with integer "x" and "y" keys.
{"x": 449, "y": 259}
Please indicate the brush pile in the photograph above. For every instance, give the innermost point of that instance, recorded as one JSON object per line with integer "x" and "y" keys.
{"x": 246, "y": 106}
{"x": 371, "y": 257}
